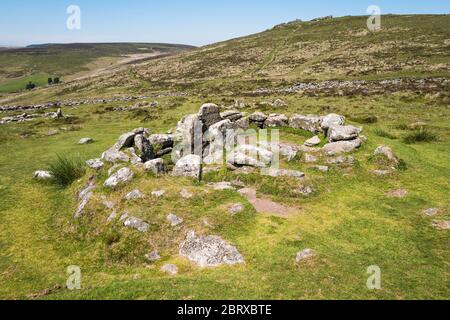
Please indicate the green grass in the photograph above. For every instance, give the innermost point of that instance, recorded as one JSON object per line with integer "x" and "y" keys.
{"x": 349, "y": 221}
{"x": 17, "y": 85}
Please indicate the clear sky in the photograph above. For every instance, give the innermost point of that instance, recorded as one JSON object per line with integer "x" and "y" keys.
{"x": 195, "y": 22}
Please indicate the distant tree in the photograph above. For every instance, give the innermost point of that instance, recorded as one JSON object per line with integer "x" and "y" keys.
{"x": 50, "y": 81}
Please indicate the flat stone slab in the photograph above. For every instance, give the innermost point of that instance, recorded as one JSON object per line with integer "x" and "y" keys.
{"x": 209, "y": 251}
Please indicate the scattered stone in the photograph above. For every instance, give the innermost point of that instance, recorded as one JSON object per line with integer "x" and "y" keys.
{"x": 170, "y": 269}
{"x": 113, "y": 155}
{"x": 158, "y": 193}
{"x": 342, "y": 133}
{"x": 241, "y": 159}
{"x": 441, "y": 225}
{"x": 134, "y": 195}
{"x": 186, "y": 194}
{"x": 304, "y": 191}
{"x": 321, "y": 168}
{"x": 134, "y": 223}
{"x": 399, "y": 193}
{"x": 388, "y": 153}
{"x": 86, "y": 141}
{"x": 224, "y": 185}
{"x": 286, "y": 173}
{"x": 43, "y": 175}
{"x": 278, "y": 103}
{"x": 308, "y": 123}
{"x": 304, "y": 255}
{"x": 95, "y": 164}
{"x": 153, "y": 256}
{"x": 309, "y": 158}
{"x": 53, "y": 132}
{"x": 84, "y": 196}
{"x": 381, "y": 173}
{"x": 288, "y": 151}
{"x": 209, "y": 251}
{"x": 341, "y": 160}
{"x": 236, "y": 208}
{"x": 314, "y": 141}
{"x": 174, "y": 220}
{"x": 336, "y": 148}
{"x": 122, "y": 176}
{"x": 156, "y": 166}
{"x": 189, "y": 166}
{"x": 431, "y": 212}
{"x": 332, "y": 120}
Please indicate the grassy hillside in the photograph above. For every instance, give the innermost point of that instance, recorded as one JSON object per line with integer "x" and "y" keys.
{"x": 349, "y": 220}
{"x": 24, "y": 64}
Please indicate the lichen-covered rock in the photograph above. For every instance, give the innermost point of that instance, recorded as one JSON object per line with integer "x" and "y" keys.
{"x": 43, "y": 175}
{"x": 95, "y": 164}
{"x": 286, "y": 173}
{"x": 336, "y": 148}
{"x": 174, "y": 220}
{"x": 278, "y": 103}
{"x": 113, "y": 155}
{"x": 305, "y": 255}
{"x": 342, "y": 133}
{"x": 263, "y": 155}
{"x": 276, "y": 120}
{"x": 189, "y": 166}
{"x": 308, "y": 123}
{"x": 231, "y": 115}
{"x": 134, "y": 223}
{"x": 209, "y": 114}
{"x": 287, "y": 151}
{"x": 122, "y": 176}
{"x": 332, "y": 120}
{"x": 84, "y": 196}
{"x": 257, "y": 117}
{"x": 156, "y": 166}
{"x": 125, "y": 141}
{"x": 161, "y": 141}
{"x": 236, "y": 208}
{"x": 242, "y": 124}
{"x": 388, "y": 153}
{"x": 86, "y": 141}
{"x": 314, "y": 141}
{"x": 134, "y": 195}
{"x": 209, "y": 251}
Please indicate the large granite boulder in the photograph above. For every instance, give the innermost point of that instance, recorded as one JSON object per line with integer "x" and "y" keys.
{"x": 342, "y": 133}
{"x": 336, "y": 148}
{"x": 156, "y": 166}
{"x": 189, "y": 166}
{"x": 332, "y": 120}
{"x": 113, "y": 155}
{"x": 276, "y": 120}
{"x": 209, "y": 251}
{"x": 209, "y": 114}
{"x": 308, "y": 123}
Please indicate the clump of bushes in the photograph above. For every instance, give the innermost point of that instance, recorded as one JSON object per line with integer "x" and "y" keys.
{"x": 66, "y": 169}
{"x": 420, "y": 135}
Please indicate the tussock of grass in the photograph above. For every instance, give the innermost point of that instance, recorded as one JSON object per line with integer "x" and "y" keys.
{"x": 421, "y": 135}
{"x": 66, "y": 169}
{"x": 384, "y": 134}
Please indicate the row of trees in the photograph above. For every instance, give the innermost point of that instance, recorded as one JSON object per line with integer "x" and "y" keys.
{"x": 30, "y": 85}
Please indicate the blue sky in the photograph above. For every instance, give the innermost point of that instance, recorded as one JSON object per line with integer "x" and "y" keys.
{"x": 196, "y": 22}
